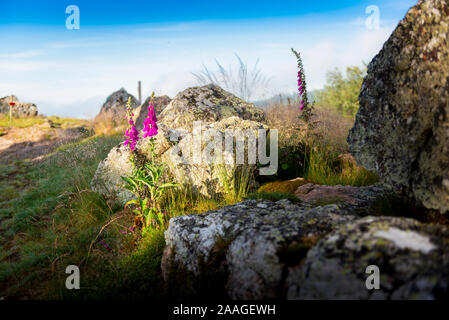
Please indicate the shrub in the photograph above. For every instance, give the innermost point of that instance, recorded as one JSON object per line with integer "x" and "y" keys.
{"x": 341, "y": 93}
{"x": 243, "y": 83}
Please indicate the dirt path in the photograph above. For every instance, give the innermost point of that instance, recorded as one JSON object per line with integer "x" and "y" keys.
{"x": 35, "y": 142}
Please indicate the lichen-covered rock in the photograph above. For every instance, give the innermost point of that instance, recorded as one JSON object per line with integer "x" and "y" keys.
{"x": 257, "y": 231}
{"x": 175, "y": 148}
{"x": 413, "y": 262}
{"x": 402, "y": 127}
{"x": 263, "y": 239}
{"x": 114, "y": 109}
{"x": 208, "y": 103}
{"x": 209, "y": 177}
{"x": 141, "y": 112}
{"x": 21, "y": 109}
{"x": 285, "y": 251}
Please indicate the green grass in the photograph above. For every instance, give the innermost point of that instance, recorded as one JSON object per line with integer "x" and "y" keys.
{"x": 320, "y": 169}
{"x": 65, "y": 171}
{"x": 51, "y": 214}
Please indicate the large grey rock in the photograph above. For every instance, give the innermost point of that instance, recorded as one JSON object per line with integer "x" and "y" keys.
{"x": 206, "y": 178}
{"x": 217, "y": 110}
{"x": 413, "y": 262}
{"x": 208, "y": 103}
{"x": 281, "y": 250}
{"x": 402, "y": 127}
{"x": 114, "y": 108}
{"x": 21, "y": 109}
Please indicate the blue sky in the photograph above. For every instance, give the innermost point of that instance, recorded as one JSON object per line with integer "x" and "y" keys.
{"x": 71, "y": 72}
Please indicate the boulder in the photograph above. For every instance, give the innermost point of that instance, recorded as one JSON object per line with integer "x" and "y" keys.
{"x": 208, "y": 103}
{"x": 311, "y": 192}
{"x": 253, "y": 236}
{"x": 412, "y": 259}
{"x": 206, "y": 178}
{"x": 142, "y": 111}
{"x": 21, "y": 109}
{"x": 402, "y": 126}
{"x": 217, "y": 110}
{"x": 258, "y": 249}
{"x": 114, "y": 109}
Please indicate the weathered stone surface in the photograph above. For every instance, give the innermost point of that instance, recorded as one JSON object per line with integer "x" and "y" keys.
{"x": 287, "y": 251}
{"x": 256, "y": 230}
{"x": 413, "y": 260}
{"x": 205, "y": 177}
{"x": 208, "y": 177}
{"x": 114, "y": 109}
{"x": 402, "y": 127}
{"x": 107, "y": 179}
{"x": 208, "y": 103}
{"x": 141, "y": 112}
{"x": 311, "y": 192}
{"x": 265, "y": 241}
{"x": 21, "y": 109}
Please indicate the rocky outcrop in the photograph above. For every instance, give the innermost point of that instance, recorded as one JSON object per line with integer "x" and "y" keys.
{"x": 20, "y": 109}
{"x": 208, "y": 103}
{"x": 114, "y": 109}
{"x": 142, "y": 111}
{"x": 402, "y": 127}
{"x": 176, "y": 143}
{"x": 412, "y": 259}
{"x": 176, "y": 149}
{"x": 261, "y": 249}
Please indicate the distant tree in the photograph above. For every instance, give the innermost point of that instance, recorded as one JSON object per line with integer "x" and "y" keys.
{"x": 342, "y": 92}
{"x": 244, "y": 82}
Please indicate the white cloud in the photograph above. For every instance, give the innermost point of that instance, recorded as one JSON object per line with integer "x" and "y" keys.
{"x": 76, "y": 82}
{"x": 23, "y": 54}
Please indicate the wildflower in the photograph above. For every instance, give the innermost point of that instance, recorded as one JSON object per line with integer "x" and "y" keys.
{"x": 132, "y": 135}
{"x": 131, "y": 132}
{"x": 302, "y": 91}
{"x": 105, "y": 245}
{"x": 150, "y": 123}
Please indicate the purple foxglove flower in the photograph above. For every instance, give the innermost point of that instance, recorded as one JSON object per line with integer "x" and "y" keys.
{"x": 150, "y": 124}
